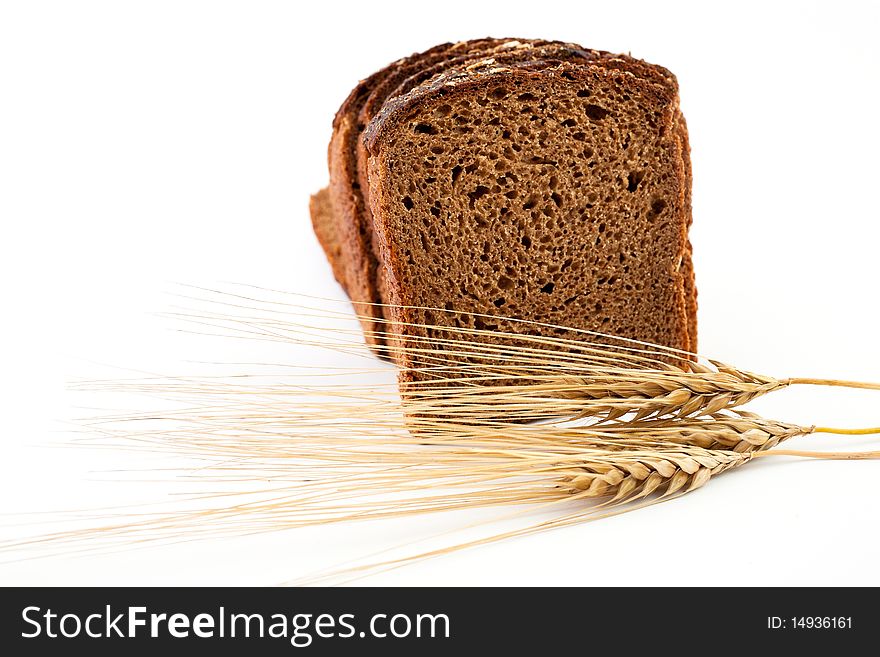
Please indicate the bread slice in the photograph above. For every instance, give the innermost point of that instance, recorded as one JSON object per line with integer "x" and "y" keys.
{"x": 529, "y": 179}
{"x": 553, "y": 193}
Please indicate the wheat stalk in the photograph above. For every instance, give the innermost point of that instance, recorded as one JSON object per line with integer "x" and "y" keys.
{"x": 490, "y": 419}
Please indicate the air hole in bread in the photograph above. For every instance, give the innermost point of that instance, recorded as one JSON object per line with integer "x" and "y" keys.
{"x": 657, "y": 206}
{"x": 504, "y": 283}
{"x": 478, "y": 193}
{"x": 480, "y": 325}
{"x": 596, "y": 112}
{"x": 633, "y": 180}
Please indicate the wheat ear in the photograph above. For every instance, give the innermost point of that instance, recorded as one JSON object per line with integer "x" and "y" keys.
{"x": 664, "y": 471}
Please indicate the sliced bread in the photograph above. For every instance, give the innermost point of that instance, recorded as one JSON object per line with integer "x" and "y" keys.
{"x": 550, "y": 184}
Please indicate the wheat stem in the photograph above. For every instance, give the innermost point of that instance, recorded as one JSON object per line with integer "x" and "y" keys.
{"x": 867, "y": 431}
{"x": 863, "y": 385}
{"x": 831, "y": 456}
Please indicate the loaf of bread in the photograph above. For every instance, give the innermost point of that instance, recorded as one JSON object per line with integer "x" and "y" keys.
{"x": 533, "y": 180}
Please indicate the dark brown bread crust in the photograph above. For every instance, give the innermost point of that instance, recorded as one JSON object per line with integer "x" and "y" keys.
{"x": 359, "y": 263}
{"x": 687, "y": 263}
{"x": 433, "y": 59}
{"x": 664, "y": 89}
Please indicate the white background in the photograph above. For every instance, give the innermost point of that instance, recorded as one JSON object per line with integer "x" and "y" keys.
{"x": 147, "y": 143}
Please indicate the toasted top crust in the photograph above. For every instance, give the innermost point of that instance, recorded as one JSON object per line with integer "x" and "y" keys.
{"x": 403, "y": 69}
{"x": 654, "y": 80}
{"x": 358, "y": 95}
